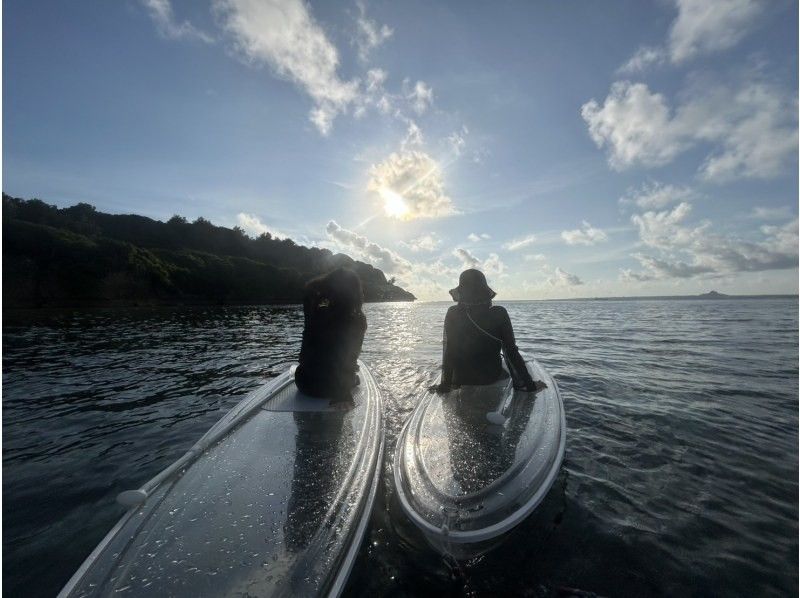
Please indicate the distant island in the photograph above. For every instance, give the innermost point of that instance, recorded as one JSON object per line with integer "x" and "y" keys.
{"x": 709, "y": 295}
{"x": 77, "y": 256}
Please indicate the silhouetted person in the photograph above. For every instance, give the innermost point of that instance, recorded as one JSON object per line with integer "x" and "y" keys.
{"x": 332, "y": 337}
{"x": 475, "y": 332}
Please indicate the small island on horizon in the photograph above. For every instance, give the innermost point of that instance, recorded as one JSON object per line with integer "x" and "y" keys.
{"x": 713, "y": 295}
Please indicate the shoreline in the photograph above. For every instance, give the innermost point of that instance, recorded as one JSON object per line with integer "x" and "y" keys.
{"x": 112, "y": 305}
{"x": 168, "y": 304}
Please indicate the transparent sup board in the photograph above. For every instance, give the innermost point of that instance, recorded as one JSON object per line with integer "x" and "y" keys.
{"x": 273, "y": 500}
{"x": 465, "y": 481}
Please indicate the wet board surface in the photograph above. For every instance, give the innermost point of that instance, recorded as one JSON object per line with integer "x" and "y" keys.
{"x": 293, "y": 401}
{"x": 275, "y": 507}
{"x": 464, "y": 480}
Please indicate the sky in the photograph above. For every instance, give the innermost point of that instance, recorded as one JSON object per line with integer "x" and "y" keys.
{"x": 567, "y": 149}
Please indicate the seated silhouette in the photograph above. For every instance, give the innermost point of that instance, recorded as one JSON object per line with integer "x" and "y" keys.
{"x": 332, "y": 336}
{"x": 475, "y": 332}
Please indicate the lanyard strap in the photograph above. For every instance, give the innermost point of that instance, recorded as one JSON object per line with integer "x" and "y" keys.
{"x": 511, "y": 369}
{"x": 491, "y": 336}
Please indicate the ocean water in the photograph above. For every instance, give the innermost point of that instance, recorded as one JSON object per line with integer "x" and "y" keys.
{"x": 681, "y": 468}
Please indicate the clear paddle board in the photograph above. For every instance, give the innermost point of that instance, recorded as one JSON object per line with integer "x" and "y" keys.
{"x": 273, "y": 501}
{"x": 463, "y": 480}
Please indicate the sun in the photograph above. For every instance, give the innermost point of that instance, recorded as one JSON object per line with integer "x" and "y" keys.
{"x": 393, "y": 203}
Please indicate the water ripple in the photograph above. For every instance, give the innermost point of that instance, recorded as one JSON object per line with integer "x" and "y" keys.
{"x": 680, "y": 476}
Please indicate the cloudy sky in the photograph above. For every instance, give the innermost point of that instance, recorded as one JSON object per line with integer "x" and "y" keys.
{"x": 568, "y": 149}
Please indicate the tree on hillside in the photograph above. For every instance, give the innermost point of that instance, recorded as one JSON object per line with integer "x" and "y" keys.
{"x": 177, "y": 259}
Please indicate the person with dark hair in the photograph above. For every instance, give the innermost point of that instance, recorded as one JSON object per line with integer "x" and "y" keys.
{"x": 332, "y": 336}
{"x": 475, "y": 331}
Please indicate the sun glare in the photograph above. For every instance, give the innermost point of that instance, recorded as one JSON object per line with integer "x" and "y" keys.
{"x": 393, "y": 203}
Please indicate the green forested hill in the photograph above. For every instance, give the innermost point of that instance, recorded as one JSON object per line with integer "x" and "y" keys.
{"x": 78, "y": 256}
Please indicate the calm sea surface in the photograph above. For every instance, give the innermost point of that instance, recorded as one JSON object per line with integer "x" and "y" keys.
{"x": 680, "y": 476}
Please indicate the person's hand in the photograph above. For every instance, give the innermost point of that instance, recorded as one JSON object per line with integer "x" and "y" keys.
{"x": 440, "y": 389}
{"x": 534, "y": 386}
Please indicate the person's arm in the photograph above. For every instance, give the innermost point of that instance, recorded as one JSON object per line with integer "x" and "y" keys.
{"x": 447, "y": 359}
{"x": 519, "y": 373}
{"x": 363, "y": 320}
{"x": 447, "y": 353}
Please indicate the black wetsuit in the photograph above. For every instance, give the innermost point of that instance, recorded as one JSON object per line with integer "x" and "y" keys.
{"x": 471, "y": 356}
{"x": 330, "y": 349}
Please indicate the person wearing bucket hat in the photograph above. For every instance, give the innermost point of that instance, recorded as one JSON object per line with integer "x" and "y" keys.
{"x": 472, "y": 288}
{"x": 475, "y": 331}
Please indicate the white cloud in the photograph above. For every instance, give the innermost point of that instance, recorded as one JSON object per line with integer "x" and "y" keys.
{"x": 634, "y": 125}
{"x": 375, "y": 95}
{"x": 692, "y": 250}
{"x": 426, "y": 280}
{"x": 413, "y": 135}
{"x": 654, "y": 195}
{"x": 562, "y": 278}
{"x": 458, "y": 140}
{"x": 416, "y": 99}
{"x": 322, "y": 118}
{"x": 781, "y": 239}
{"x": 420, "y": 96}
{"x": 468, "y": 260}
{"x": 769, "y": 213}
{"x": 664, "y": 230}
{"x": 284, "y": 35}
{"x": 431, "y": 280}
{"x": 705, "y": 26}
{"x": 752, "y": 130}
{"x": 380, "y": 257}
{"x": 474, "y": 237}
{"x": 437, "y": 272}
{"x": 384, "y": 104}
{"x": 701, "y": 27}
{"x": 492, "y": 265}
{"x": 643, "y": 58}
{"x": 369, "y": 35}
{"x": 161, "y": 13}
{"x": 518, "y": 244}
{"x": 586, "y": 235}
{"x": 429, "y": 242}
{"x": 480, "y": 154}
{"x": 756, "y": 128}
{"x": 534, "y": 257}
{"x": 417, "y": 179}
{"x": 252, "y": 224}
{"x": 375, "y": 80}
{"x": 656, "y": 268}
{"x": 628, "y": 275}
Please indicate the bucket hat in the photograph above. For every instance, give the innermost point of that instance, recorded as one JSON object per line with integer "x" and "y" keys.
{"x": 472, "y": 288}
